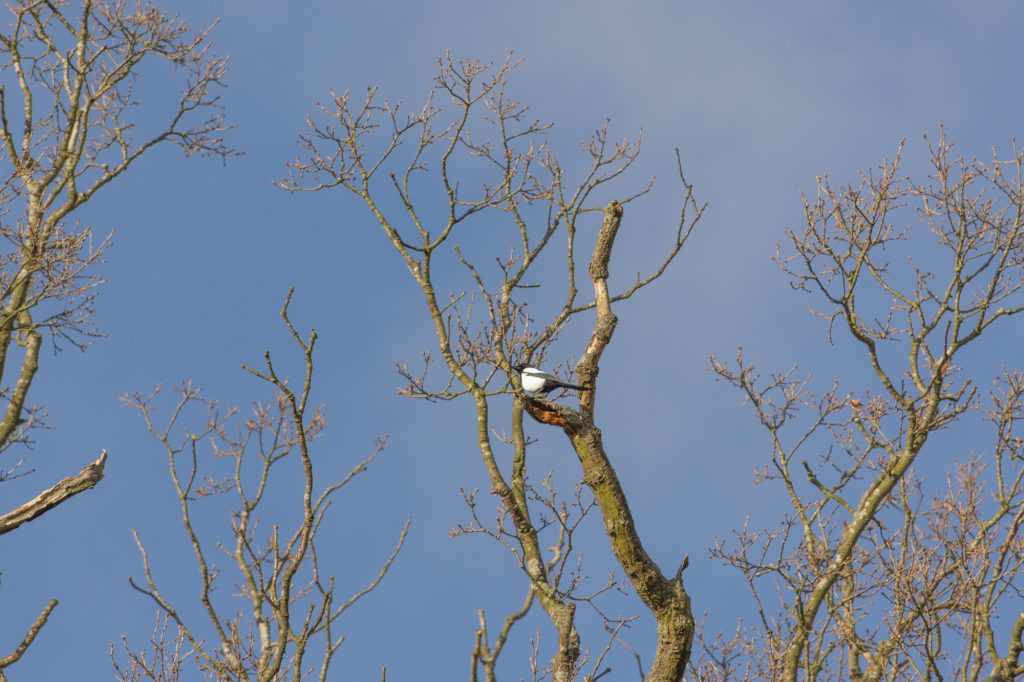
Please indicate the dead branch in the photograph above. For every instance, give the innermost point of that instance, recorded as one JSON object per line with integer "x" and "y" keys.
{"x": 51, "y": 497}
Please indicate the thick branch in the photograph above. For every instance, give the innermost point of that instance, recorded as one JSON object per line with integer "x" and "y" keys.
{"x": 604, "y": 327}
{"x": 665, "y": 597}
{"x": 48, "y": 499}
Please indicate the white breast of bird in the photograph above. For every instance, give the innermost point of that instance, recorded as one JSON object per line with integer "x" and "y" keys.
{"x": 532, "y": 382}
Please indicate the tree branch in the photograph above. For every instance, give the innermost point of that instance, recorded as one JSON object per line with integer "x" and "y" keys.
{"x": 50, "y": 498}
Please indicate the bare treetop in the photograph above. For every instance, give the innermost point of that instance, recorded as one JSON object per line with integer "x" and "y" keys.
{"x": 490, "y": 226}
{"x": 75, "y": 75}
{"x": 71, "y": 121}
{"x": 474, "y": 152}
{"x": 875, "y": 573}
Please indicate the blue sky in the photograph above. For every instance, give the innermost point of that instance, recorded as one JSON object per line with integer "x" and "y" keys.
{"x": 759, "y": 97}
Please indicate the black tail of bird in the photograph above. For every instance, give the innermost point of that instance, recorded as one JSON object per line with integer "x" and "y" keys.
{"x": 573, "y": 386}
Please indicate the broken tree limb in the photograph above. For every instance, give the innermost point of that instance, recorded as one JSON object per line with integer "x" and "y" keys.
{"x": 50, "y": 498}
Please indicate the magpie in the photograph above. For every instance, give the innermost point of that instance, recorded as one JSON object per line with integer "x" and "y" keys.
{"x": 535, "y": 381}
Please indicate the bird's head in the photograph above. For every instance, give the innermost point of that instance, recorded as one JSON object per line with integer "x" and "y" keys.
{"x": 519, "y": 368}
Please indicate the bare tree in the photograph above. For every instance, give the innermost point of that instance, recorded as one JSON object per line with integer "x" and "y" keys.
{"x": 877, "y": 571}
{"x": 67, "y": 111}
{"x": 291, "y": 609}
{"x": 445, "y": 183}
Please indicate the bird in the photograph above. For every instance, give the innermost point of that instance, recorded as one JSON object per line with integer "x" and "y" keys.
{"x": 536, "y": 381}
